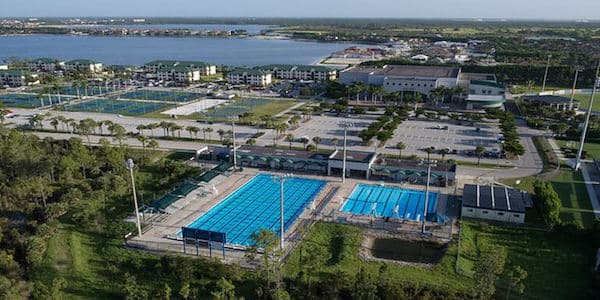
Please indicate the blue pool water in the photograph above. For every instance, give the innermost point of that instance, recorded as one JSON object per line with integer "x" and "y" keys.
{"x": 410, "y": 202}
{"x": 255, "y": 206}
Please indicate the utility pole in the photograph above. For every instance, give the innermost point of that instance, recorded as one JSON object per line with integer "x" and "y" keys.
{"x": 281, "y": 179}
{"x": 129, "y": 163}
{"x": 546, "y": 73}
{"x": 430, "y": 163}
{"x": 587, "y": 119}
{"x": 577, "y": 70}
{"x": 233, "y": 119}
{"x": 345, "y": 126}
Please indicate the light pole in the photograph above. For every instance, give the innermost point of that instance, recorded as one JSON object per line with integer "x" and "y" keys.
{"x": 587, "y": 119}
{"x": 129, "y": 163}
{"x": 429, "y": 163}
{"x": 233, "y": 119}
{"x": 281, "y": 179}
{"x": 577, "y": 70}
{"x": 546, "y": 73}
{"x": 345, "y": 125}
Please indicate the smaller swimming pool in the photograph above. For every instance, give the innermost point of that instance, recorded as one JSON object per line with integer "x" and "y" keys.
{"x": 393, "y": 202}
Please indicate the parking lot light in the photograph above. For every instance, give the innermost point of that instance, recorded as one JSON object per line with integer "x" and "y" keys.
{"x": 429, "y": 163}
{"x": 345, "y": 125}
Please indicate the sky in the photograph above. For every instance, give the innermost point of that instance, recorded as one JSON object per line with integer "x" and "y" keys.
{"x": 509, "y": 9}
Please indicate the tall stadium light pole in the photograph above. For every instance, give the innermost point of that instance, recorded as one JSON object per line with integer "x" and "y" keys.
{"x": 281, "y": 179}
{"x": 345, "y": 126}
{"x": 546, "y": 73}
{"x": 577, "y": 70}
{"x": 430, "y": 163}
{"x": 233, "y": 119}
{"x": 129, "y": 163}
{"x": 587, "y": 118}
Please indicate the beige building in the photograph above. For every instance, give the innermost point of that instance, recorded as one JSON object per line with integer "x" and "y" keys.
{"x": 16, "y": 78}
{"x": 251, "y": 77}
{"x": 178, "y": 74}
{"x": 45, "y": 65}
{"x": 84, "y": 65}
{"x": 203, "y": 69}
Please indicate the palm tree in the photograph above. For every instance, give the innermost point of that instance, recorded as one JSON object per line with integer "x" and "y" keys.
{"x": 479, "y": 150}
{"x": 289, "y": 138}
{"x": 251, "y": 142}
{"x": 193, "y": 130}
{"x": 177, "y": 128}
{"x": 54, "y": 122}
{"x": 143, "y": 139}
{"x": 221, "y": 133}
{"x": 400, "y": 146}
{"x": 209, "y": 130}
{"x": 429, "y": 150}
{"x": 335, "y": 141}
{"x": 152, "y": 144}
{"x": 140, "y": 128}
{"x": 305, "y": 141}
{"x": 443, "y": 153}
{"x": 317, "y": 141}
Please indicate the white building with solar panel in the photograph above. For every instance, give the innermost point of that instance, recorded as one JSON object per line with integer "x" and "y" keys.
{"x": 496, "y": 203}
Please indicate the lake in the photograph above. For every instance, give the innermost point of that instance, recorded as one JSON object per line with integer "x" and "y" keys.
{"x": 139, "y": 50}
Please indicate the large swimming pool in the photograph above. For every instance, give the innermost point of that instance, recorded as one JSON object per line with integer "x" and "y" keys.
{"x": 384, "y": 201}
{"x": 255, "y": 206}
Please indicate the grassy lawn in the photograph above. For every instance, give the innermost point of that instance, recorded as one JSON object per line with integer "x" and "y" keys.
{"x": 557, "y": 263}
{"x": 536, "y": 88}
{"x": 592, "y": 149}
{"x": 571, "y": 189}
{"x": 73, "y": 256}
{"x": 342, "y": 243}
{"x": 584, "y": 101}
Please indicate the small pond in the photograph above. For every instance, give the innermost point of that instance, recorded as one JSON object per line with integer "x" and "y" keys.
{"x": 408, "y": 251}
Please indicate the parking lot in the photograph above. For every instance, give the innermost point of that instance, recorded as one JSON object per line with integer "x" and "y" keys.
{"x": 416, "y": 134}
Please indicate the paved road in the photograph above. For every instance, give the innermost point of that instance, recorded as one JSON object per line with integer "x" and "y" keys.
{"x": 412, "y": 133}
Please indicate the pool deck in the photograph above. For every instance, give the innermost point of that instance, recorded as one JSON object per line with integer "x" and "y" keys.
{"x": 158, "y": 236}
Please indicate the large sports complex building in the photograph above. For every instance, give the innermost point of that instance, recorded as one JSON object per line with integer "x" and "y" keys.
{"x": 482, "y": 90}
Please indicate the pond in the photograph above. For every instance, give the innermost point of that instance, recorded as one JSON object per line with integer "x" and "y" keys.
{"x": 408, "y": 251}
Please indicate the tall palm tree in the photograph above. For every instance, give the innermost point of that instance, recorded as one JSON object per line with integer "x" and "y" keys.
{"x": 335, "y": 141}
{"x": 221, "y": 133}
{"x": 317, "y": 141}
{"x": 152, "y": 144}
{"x": 429, "y": 150}
{"x": 289, "y": 138}
{"x": 479, "y": 150}
{"x": 443, "y": 153}
{"x": 400, "y": 146}
{"x": 209, "y": 130}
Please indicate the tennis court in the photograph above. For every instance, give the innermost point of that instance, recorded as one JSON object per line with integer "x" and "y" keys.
{"x": 123, "y": 107}
{"x": 168, "y": 96}
{"x": 255, "y": 206}
{"x": 92, "y": 90}
{"x": 236, "y": 108}
{"x": 392, "y": 202}
{"x": 32, "y": 100}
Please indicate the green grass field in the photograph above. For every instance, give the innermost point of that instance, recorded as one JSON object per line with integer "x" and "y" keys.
{"x": 557, "y": 263}
{"x": 592, "y": 149}
{"x": 584, "y": 101}
{"x": 569, "y": 185}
